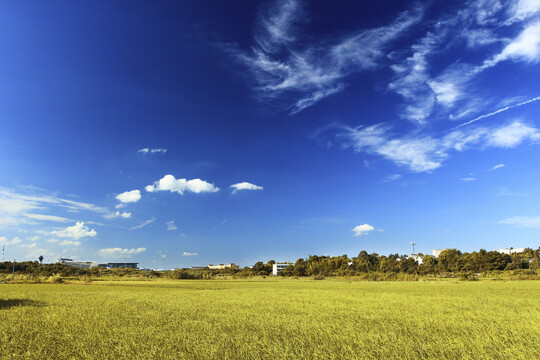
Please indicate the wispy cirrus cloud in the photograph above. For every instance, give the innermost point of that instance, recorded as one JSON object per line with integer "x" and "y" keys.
{"x": 46, "y": 217}
{"x": 19, "y": 208}
{"x": 296, "y": 73}
{"x": 426, "y": 153}
{"x": 152, "y": 151}
{"x": 429, "y": 89}
{"x": 245, "y": 186}
{"x": 171, "y": 225}
{"x": 522, "y": 221}
{"x": 143, "y": 224}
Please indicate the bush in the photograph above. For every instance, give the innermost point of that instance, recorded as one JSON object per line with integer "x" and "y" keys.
{"x": 55, "y": 279}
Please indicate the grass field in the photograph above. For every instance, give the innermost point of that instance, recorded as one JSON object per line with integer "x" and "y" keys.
{"x": 285, "y": 319}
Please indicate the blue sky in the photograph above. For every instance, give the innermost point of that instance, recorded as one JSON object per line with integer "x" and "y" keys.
{"x": 216, "y": 132}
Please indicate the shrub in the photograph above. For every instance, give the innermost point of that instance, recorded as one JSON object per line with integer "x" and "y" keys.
{"x": 55, "y": 279}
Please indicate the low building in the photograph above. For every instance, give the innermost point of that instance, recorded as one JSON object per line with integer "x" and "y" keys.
{"x": 417, "y": 258}
{"x": 125, "y": 265}
{"x": 277, "y": 267}
{"x": 437, "y": 252}
{"x": 511, "y": 251}
{"x": 77, "y": 264}
{"x": 198, "y": 267}
{"x": 222, "y": 266}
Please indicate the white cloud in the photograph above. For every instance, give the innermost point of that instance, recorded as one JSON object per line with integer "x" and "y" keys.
{"x": 29, "y": 246}
{"x": 119, "y": 252}
{"x": 46, "y": 217}
{"x": 296, "y": 74}
{"x": 498, "y": 166}
{"x": 152, "y": 151}
{"x": 362, "y": 229}
{"x": 499, "y": 111}
{"x": 525, "y": 47}
{"x": 391, "y": 177}
{"x": 129, "y": 196}
{"x": 426, "y": 153}
{"x": 142, "y": 224}
{"x": 513, "y": 134}
{"x": 245, "y": 186}
{"x": 125, "y": 215}
{"x": 468, "y": 179}
{"x": 77, "y": 231}
{"x": 170, "y": 183}
{"x": 70, "y": 243}
{"x": 523, "y": 9}
{"x": 171, "y": 225}
{"x": 523, "y": 221}
{"x": 189, "y": 253}
{"x": 5, "y": 241}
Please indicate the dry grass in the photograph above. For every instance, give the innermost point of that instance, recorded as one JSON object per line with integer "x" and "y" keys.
{"x": 286, "y": 319}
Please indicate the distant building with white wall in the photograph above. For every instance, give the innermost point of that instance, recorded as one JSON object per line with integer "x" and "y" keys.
{"x": 78, "y": 264}
{"x": 223, "y": 266}
{"x": 278, "y": 267}
{"x": 417, "y": 258}
{"x": 437, "y": 252}
{"x": 511, "y": 251}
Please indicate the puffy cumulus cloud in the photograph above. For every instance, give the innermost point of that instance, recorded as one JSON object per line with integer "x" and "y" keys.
{"x": 125, "y": 215}
{"x": 152, "y": 151}
{"x": 189, "y": 253}
{"x": 245, "y": 186}
{"x": 5, "y": 241}
{"x": 427, "y": 153}
{"x": 77, "y": 231}
{"x": 118, "y": 252}
{"x": 522, "y": 221}
{"x": 362, "y": 229}
{"x": 129, "y": 196}
{"x": 170, "y": 183}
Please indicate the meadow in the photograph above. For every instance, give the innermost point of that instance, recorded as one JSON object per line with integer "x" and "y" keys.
{"x": 270, "y": 318}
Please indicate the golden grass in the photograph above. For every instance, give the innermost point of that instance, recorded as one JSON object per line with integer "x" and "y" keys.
{"x": 282, "y": 319}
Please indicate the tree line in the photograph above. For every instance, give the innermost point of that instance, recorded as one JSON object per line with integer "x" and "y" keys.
{"x": 449, "y": 261}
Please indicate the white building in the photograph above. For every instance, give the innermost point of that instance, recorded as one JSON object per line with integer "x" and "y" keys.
{"x": 78, "y": 264}
{"x": 417, "y": 257}
{"x": 437, "y": 252}
{"x": 511, "y": 251}
{"x": 278, "y": 267}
